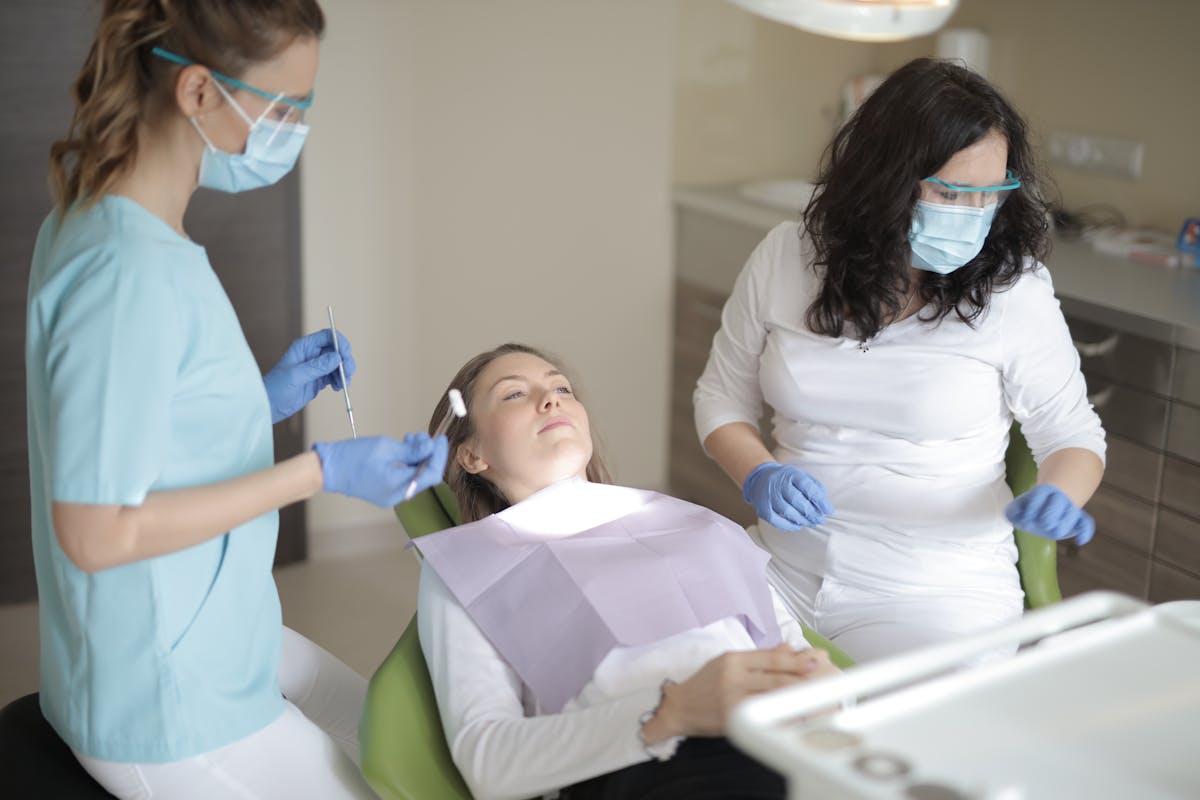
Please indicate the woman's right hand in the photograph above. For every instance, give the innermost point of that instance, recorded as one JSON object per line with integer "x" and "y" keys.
{"x": 700, "y": 706}
{"x": 379, "y": 468}
{"x": 786, "y": 496}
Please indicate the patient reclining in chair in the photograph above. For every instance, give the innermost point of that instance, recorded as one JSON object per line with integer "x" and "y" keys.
{"x": 586, "y": 638}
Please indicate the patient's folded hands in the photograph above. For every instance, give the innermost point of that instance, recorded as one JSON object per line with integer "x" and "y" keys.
{"x": 700, "y": 706}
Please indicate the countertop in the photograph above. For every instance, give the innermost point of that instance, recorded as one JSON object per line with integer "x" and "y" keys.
{"x": 1160, "y": 302}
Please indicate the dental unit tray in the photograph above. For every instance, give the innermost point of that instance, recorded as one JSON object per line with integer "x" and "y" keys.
{"x": 1102, "y": 700}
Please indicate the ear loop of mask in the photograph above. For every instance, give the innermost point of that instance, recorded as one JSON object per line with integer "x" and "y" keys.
{"x": 241, "y": 113}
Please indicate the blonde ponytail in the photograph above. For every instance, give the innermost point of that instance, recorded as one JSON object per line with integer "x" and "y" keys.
{"x": 122, "y": 85}
{"x": 109, "y": 97}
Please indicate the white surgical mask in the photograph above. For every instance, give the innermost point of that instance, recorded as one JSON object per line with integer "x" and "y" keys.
{"x": 946, "y": 237}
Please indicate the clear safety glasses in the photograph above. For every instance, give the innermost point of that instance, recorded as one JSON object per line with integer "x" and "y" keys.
{"x": 936, "y": 190}
{"x": 281, "y": 108}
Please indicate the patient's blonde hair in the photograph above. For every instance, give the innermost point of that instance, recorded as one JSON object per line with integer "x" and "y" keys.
{"x": 477, "y": 496}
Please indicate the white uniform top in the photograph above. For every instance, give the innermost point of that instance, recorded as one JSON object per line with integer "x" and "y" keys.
{"x": 908, "y": 436}
{"x": 507, "y": 747}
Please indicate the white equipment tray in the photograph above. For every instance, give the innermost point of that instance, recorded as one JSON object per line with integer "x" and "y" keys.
{"x": 1102, "y": 701}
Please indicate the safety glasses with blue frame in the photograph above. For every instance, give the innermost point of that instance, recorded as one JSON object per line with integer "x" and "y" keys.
{"x": 936, "y": 190}
{"x": 280, "y": 106}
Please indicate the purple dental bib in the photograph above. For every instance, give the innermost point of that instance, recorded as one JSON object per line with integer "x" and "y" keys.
{"x": 555, "y": 599}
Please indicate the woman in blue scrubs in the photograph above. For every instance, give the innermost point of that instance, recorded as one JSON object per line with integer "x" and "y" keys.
{"x": 165, "y": 665}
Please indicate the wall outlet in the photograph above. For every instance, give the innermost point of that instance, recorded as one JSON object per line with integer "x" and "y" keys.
{"x": 1101, "y": 154}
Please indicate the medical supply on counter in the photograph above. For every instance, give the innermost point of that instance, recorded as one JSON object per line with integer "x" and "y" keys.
{"x": 342, "y": 374}
{"x": 1189, "y": 239}
{"x": 1146, "y": 246}
{"x": 456, "y": 408}
{"x": 1101, "y": 701}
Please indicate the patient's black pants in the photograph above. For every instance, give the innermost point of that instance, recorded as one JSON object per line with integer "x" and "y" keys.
{"x": 701, "y": 769}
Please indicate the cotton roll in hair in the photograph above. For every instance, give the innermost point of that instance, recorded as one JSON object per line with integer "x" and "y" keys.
{"x": 456, "y": 403}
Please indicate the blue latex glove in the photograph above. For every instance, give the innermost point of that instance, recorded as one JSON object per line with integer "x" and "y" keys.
{"x": 309, "y": 365}
{"x": 379, "y": 468}
{"x": 786, "y": 496}
{"x": 1047, "y": 512}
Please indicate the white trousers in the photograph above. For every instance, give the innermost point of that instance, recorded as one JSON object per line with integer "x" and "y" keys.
{"x": 310, "y": 751}
{"x": 868, "y": 625}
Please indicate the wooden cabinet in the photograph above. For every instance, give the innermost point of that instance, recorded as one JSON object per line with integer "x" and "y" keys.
{"x": 1147, "y": 510}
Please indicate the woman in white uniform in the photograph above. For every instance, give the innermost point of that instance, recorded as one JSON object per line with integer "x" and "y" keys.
{"x": 165, "y": 666}
{"x": 897, "y": 332}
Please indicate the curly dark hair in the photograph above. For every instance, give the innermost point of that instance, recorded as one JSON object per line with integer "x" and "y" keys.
{"x": 861, "y": 211}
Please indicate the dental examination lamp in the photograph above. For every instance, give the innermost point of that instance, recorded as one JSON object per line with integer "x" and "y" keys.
{"x": 858, "y": 20}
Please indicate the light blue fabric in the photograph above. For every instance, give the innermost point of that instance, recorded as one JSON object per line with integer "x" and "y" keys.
{"x": 945, "y": 238}
{"x": 139, "y": 379}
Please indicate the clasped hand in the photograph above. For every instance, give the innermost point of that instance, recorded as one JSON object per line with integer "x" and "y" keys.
{"x": 309, "y": 365}
{"x": 700, "y": 706}
{"x": 1046, "y": 511}
{"x": 786, "y": 496}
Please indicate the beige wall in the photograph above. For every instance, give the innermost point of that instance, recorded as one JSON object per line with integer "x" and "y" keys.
{"x": 479, "y": 172}
{"x": 356, "y": 201}
{"x": 543, "y": 210}
{"x": 1102, "y": 67}
{"x": 754, "y": 99}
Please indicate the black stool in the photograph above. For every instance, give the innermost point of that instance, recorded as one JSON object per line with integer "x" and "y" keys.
{"x": 35, "y": 763}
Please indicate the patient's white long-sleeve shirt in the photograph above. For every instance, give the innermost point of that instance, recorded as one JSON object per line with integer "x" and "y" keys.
{"x": 907, "y": 432}
{"x": 505, "y": 747}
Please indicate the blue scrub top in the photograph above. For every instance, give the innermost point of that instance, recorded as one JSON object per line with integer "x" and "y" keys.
{"x": 140, "y": 379}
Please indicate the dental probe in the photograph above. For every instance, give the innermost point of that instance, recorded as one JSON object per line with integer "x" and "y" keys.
{"x": 342, "y": 373}
{"x": 456, "y": 408}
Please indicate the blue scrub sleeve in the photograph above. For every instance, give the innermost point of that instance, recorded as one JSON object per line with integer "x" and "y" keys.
{"x": 115, "y": 351}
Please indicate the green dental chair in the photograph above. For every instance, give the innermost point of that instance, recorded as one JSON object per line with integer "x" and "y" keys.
{"x": 404, "y": 754}
{"x": 1037, "y": 560}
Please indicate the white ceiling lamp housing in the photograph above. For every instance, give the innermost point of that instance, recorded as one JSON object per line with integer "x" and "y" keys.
{"x": 860, "y": 20}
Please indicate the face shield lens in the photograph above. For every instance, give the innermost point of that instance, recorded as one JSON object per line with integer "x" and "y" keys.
{"x": 281, "y": 120}
{"x": 283, "y": 112}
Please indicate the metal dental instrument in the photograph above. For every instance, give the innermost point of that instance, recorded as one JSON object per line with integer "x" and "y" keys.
{"x": 456, "y": 408}
{"x": 342, "y": 373}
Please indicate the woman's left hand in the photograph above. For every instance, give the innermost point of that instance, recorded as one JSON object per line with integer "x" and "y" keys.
{"x": 308, "y": 366}
{"x": 1046, "y": 511}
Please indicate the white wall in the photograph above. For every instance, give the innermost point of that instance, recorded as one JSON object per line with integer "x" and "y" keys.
{"x": 480, "y": 172}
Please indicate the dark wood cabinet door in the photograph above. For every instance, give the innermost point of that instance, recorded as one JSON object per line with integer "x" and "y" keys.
{"x": 252, "y": 241}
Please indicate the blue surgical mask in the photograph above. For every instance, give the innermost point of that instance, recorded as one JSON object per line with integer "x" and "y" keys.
{"x": 945, "y": 237}
{"x": 271, "y": 151}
